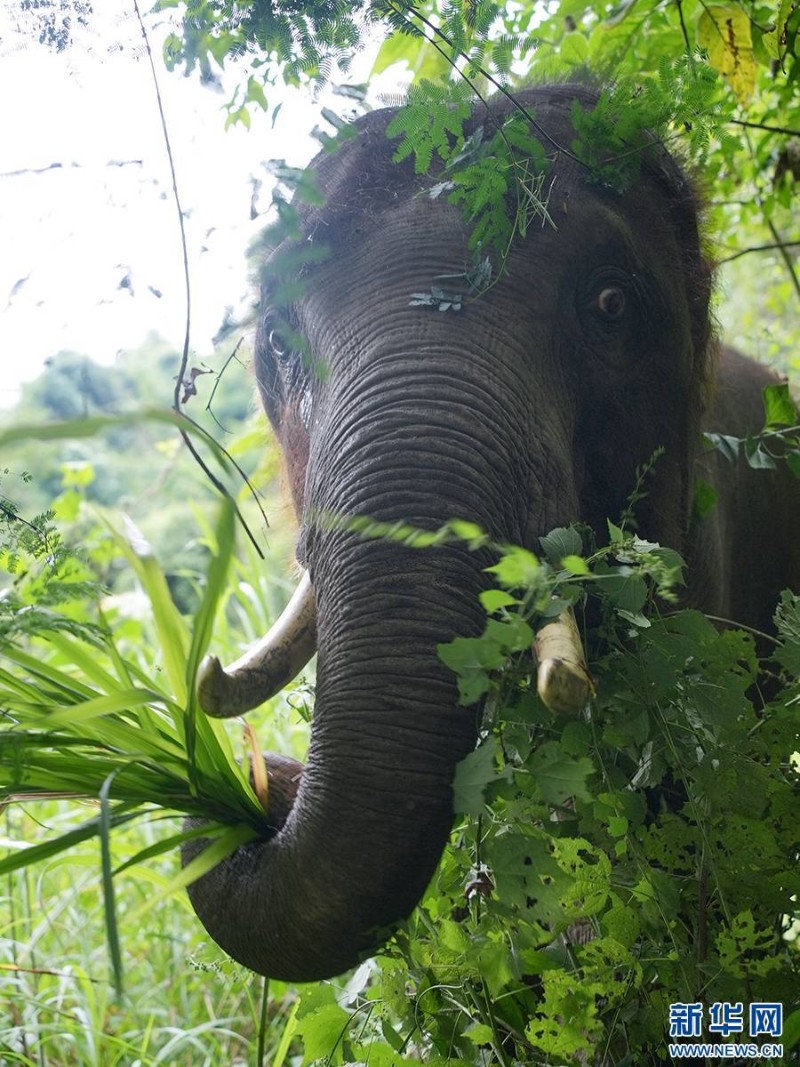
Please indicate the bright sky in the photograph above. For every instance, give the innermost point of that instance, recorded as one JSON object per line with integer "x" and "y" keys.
{"x": 86, "y": 244}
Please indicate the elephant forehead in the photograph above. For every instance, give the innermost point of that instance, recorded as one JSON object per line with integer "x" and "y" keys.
{"x": 417, "y": 249}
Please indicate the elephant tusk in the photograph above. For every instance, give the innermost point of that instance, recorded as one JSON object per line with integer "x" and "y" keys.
{"x": 267, "y": 667}
{"x": 562, "y": 678}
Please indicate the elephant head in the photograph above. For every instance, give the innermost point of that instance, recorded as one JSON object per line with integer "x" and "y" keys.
{"x": 529, "y": 407}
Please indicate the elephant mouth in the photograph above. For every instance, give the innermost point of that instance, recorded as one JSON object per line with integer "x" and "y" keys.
{"x": 563, "y": 681}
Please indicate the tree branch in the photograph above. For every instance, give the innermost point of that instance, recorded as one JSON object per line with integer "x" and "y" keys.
{"x": 777, "y": 244}
{"x": 766, "y": 126}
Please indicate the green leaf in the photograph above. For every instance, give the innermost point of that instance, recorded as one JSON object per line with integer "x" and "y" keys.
{"x": 574, "y": 49}
{"x": 705, "y": 499}
{"x": 775, "y": 40}
{"x": 518, "y": 568}
{"x": 495, "y": 599}
{"x": 779, "y": 409}
{"x": 479, "y": 1034}
{"x": 626, "y": 589}
{"x": 793, "y": 462}
{"x": 427, "y": 125}
{"x": 558, "y": 775}
{"x": 575, "y": 565}
{"x": 724, "y": 443}
{"x": 791, "y": 1030}
{"x": 322, "y": 1032}
{"x": 473, "y": 774}
{"x": 121, "y": 700}
{"x": 471, "y": 658}
{"x": 560, "y": 542}
{"x": 424, "y": 60}
{"x": 25, "y": 857}
{"x": 171, "y": 628}
{"x": 757, "y": 456}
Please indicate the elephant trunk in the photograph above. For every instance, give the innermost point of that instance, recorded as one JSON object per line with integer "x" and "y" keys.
{"x": 373, "y": 808}
{"x": 351, "y": 854}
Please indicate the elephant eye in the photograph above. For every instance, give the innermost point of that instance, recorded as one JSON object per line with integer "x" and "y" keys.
{"x": 609, "y": 303}
{"x": 278, "y": 346}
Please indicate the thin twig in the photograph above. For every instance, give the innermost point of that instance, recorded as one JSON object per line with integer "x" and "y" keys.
{"x": 771, "y": 247}
{"x": 64, "y": 166}
{"x": 766, "y": 126}
{"x": 218, "y": 379}
{"x": 787, "y": 259}
{"x": 176, "y": 401}
{"x": 684, "y": 31}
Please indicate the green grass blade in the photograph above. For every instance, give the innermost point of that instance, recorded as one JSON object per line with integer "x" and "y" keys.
{"x": 216, "y": 580}
{"x": 167, "y": 845}
{"x": 26, "y": 857}
{"x": 88, "y": 427}
{"x": 104, "y": 823}
{"x": 204, "y": 619}
{"x": 173, "y": 638}
{"x": 68, "y": 689}
{"x": 86, "y": 657}
{"x": 76, "y": 715}
{"x": 227, "y": 842}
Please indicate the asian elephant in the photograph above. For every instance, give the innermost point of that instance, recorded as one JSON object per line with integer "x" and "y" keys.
{"x": 527, "y": 408}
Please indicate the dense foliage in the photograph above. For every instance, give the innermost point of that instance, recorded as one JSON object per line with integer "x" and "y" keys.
{"x": 603, "y": 867}
{"x": 718, "y": 81}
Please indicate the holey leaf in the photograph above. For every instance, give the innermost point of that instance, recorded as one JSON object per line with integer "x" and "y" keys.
{"x": 723, "y": 31}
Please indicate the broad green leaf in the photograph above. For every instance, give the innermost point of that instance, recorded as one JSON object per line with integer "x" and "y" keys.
{"x": 495, "y": 599}
{"x": 575, "y": 565}
{"x": 793, "y": 462}
{"x": 724, "y": 443}
{"x": 322, "y": 1032}
{"x": 471, "y": 658}
{"x": 779, "y": 409}
{"x": 558, "y": 775}
{"x": 517, "y": 569}
{"x": 422, "y": 58}
{"x": 560, "y": 542}
{"x": 574, "y": 49}
{"x": 757, "y": 456}
{"x": 473, "y": 774}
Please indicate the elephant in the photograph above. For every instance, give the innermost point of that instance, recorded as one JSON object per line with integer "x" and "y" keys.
{"x": 527, "y": 408}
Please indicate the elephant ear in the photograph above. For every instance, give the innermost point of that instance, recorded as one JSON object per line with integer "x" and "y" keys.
{"x": 685, "y": 204}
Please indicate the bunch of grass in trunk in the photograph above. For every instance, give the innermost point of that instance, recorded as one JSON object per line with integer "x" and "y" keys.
{"x": 80, "y": 721}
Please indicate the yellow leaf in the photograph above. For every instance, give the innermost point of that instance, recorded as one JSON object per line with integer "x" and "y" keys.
{"x": 724, "y": 32}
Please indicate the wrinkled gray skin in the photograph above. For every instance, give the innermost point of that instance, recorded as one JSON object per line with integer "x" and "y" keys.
{"x": 528, "y": 409}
